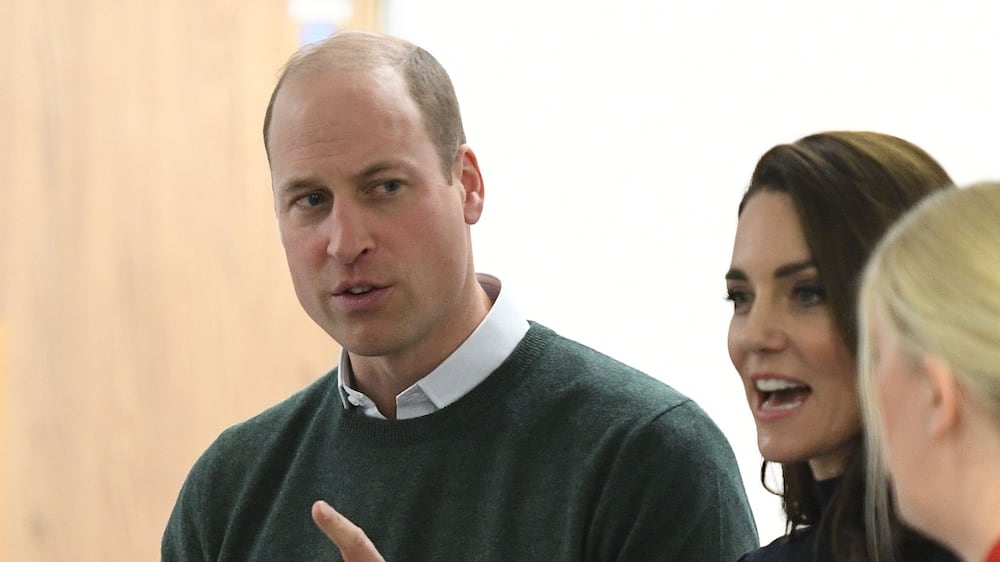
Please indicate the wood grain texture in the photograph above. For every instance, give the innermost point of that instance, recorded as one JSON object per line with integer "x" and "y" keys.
{"x": 144, "y": 296}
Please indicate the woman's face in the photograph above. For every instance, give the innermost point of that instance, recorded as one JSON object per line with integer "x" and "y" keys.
{"x": 798, "y": 373}
{"x": 901, "y": 396}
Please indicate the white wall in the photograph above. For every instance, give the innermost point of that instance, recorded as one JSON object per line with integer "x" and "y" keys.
{"x": 616, "y": 139}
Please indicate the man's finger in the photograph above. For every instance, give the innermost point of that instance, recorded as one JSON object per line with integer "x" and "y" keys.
{"x": 353, "y": 543}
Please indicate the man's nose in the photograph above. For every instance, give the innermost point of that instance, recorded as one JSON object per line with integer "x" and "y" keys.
{"x": 350, "y": 234}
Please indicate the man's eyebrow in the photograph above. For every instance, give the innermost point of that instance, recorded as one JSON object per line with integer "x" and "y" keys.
{"x": 376, "y": 168}
{"x": 307, "y": 182}
{"x": 299, "y": 184}
{"x": 379, "y": 167}
{"x": 736, "y": 274}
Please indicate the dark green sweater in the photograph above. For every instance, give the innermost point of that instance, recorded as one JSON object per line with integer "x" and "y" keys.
{"x": 561, "y": 454}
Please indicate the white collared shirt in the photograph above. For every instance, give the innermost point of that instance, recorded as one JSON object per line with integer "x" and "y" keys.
{"x": 478, "y": 356}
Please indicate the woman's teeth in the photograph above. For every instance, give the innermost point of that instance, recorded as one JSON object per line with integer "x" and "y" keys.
{"x": 774, "y": 385}
{"x": 781, "y": 394}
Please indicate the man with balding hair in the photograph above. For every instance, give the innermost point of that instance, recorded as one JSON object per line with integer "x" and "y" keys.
{"x": 452, "y": 428}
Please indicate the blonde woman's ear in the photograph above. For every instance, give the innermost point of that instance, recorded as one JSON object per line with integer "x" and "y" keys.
{"x": 943, "y": 396}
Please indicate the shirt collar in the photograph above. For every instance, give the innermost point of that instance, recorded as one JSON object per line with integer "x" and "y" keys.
{"x": 478, "y": 356}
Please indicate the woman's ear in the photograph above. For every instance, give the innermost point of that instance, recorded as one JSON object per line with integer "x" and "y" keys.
{"x": 943, "y": 396}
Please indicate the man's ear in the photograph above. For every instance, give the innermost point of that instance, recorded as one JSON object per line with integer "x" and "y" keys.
{"x": 943, "y": 395}
{"x": 467, "y": 170}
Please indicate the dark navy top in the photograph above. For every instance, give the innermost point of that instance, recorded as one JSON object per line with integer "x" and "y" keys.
{"x": 807, "y": 545}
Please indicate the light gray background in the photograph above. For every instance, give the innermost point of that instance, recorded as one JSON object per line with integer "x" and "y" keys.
{"x": 616, "y": 139}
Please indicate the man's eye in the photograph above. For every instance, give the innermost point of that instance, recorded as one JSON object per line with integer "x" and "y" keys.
{"x": 389, "y": 186}
{"x": 312, "y": 200}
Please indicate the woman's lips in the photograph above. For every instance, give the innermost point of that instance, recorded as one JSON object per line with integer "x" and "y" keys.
{"x": 779, "y": 397}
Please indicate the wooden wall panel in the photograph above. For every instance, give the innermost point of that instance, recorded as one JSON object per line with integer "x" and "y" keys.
{"x": 144, "y": 296}
{"x": 4, "y": 447}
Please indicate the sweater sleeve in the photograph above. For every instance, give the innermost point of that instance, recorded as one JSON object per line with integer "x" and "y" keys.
{"x": 674, "y": 493}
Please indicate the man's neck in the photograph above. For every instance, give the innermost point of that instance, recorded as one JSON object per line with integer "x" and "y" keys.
{"x": 383, "y": 378}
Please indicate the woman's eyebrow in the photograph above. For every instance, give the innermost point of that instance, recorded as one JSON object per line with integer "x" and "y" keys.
{"x": 793, "y": 268}
{"x": 736, "y": 274}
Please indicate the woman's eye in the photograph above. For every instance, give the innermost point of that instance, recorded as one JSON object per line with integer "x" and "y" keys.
{"x": 739, "y": 299}
{"x": 810, "y": 295}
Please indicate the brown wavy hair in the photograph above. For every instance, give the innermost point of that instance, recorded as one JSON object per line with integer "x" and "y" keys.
{"x": 848, "y": 188}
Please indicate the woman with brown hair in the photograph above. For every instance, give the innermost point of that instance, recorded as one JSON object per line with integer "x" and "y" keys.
{"x": 813, "y": 212}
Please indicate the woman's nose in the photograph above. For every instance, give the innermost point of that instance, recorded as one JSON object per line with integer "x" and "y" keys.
{"x": 763, "y": 329}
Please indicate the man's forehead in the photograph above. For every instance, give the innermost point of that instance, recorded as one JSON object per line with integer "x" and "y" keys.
{"x": 337, "y": 71}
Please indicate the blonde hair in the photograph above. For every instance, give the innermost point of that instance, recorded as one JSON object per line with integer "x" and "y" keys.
{"x": 934, "y": 282}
